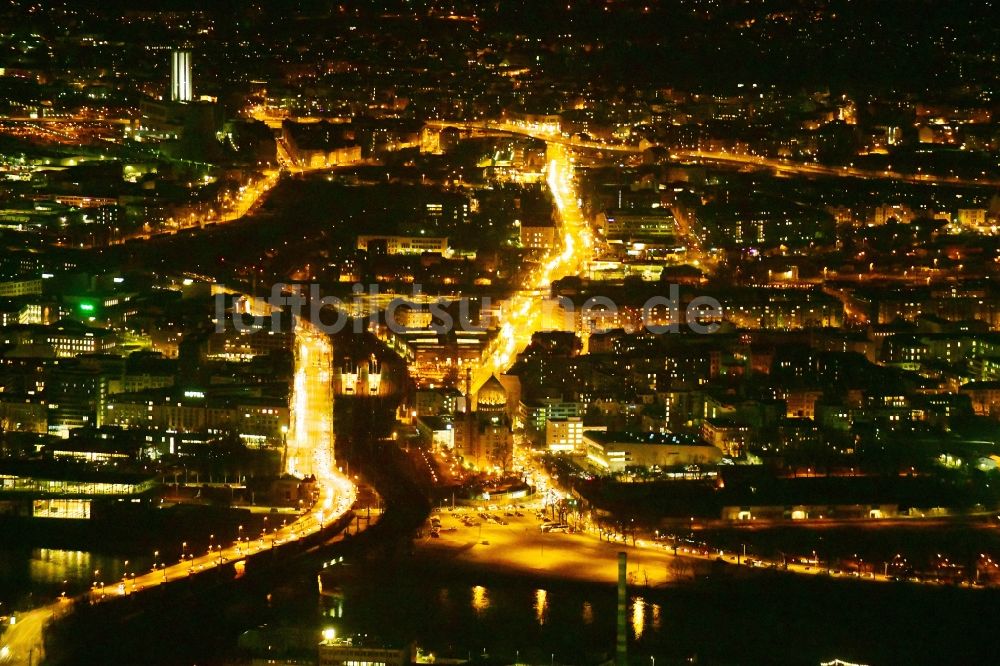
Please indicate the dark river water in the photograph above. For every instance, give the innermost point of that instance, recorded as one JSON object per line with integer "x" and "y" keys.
{"x": 29, "y": 574}
{"x": 725, "y": 617}
{"x": 750, "y": 618}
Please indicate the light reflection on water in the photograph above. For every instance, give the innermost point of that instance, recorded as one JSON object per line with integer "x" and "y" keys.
{"x": 480, "y": 600}
{"x": 50, "y": 571}
{"x": 541, "y": 606}
{"x": 638, "y": 617}
{"x": 644, "y": 615}
{"x": 48, "y": 566}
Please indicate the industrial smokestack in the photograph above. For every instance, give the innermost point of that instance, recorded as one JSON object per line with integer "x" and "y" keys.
{"x": 621, "y": 649}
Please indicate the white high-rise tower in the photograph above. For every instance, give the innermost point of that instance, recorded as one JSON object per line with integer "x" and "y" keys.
{"x": 180, "y": 76}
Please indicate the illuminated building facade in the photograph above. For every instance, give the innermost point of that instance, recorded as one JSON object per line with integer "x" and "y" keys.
{"x": 538, "y": 237}
{"x": 258, "y": 421}
{"x": 180, "y": 77}
{"x": 44, "y": 490}
{"x": 564, "y": 435}
{"x": 404, "y": 244}
{"x": 616, "y": 451}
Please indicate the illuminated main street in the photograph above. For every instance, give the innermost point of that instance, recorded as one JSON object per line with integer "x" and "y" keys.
{"x": 233, "y": 208}
{"x": 310, "y": 444}
{"x": 552, "y": 136}
{"x": 548, "y": 134}
{"x": 787, "y": 166}
{"x": 523, "y": 312}
{"x": 310, "y": 453}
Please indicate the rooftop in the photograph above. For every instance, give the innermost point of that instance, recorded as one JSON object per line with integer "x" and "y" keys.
{"x": 636, "y": 437}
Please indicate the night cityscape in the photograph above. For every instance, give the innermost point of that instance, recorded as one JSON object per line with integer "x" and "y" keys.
{"x": 506, "y": 333}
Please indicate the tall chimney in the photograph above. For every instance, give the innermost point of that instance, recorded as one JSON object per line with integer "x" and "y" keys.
{"x": 621, "y": 648}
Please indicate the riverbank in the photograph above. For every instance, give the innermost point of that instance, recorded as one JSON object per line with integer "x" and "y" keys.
{"x": 520, "y": 547}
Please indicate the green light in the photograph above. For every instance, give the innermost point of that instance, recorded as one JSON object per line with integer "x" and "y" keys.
{"x": 87, "y": 307}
